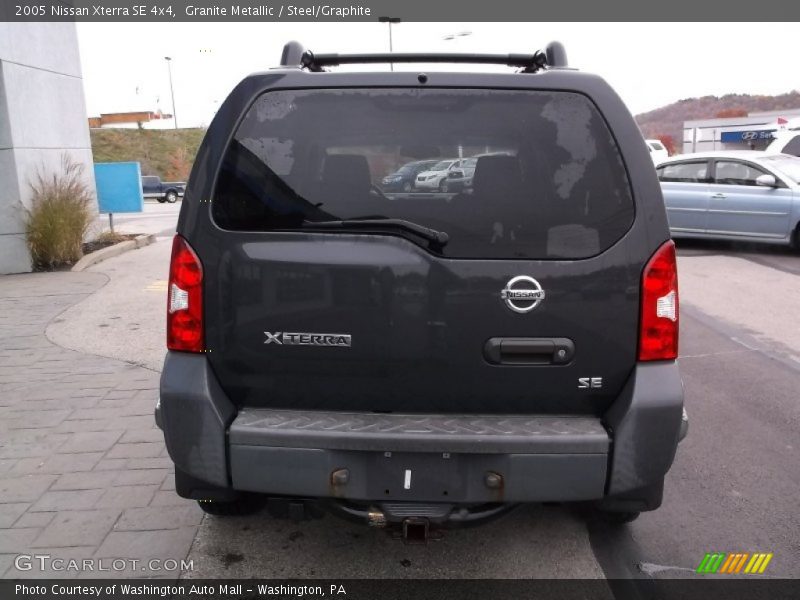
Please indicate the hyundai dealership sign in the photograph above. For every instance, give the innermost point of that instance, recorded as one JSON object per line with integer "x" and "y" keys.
{"x": 746, "y": 136}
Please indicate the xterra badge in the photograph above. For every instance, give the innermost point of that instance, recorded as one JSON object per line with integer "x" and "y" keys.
{"x": 307, "y": 339}
{"x": 522, "y": 294}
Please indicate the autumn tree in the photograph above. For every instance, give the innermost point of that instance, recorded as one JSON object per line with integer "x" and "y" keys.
{"x": 179, "y": 165}
{"x": 668, "y": 141}
{"x": 729, "y": 113}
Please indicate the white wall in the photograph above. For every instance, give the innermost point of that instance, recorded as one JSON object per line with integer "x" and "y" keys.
{"x": 42, "y": 117}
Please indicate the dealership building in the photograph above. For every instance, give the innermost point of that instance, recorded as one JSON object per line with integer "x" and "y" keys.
{"x": 754, "y": 131}
{"x": 42, "y": 119}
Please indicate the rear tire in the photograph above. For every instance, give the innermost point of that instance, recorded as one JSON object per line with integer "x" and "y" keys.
{"x": 171, "y": 197}
{"x": 245, "y": 505}
{"x": 796, "y": 238}
{"x": 161, "y": 200}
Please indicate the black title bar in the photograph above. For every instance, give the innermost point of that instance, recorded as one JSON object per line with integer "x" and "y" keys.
{"x": 401, "y": 10}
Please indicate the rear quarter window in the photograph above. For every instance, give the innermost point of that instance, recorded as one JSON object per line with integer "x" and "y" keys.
{"x": 548, "y": 181}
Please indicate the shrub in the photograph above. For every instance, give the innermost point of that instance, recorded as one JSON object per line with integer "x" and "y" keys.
{"x": 59, "y": 216}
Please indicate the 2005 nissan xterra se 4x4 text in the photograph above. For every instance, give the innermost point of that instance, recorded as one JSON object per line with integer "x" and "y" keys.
{"x": 422, "y": 358}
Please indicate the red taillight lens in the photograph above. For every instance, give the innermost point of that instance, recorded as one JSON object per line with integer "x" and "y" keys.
{"x": 185, "y": 299}
{"x": 658, "y": 324}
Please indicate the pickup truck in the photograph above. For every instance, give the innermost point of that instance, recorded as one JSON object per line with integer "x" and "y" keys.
{"x": 163, "y": 191}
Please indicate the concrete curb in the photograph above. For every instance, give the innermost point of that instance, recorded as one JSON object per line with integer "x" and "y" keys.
{"x": 104, "y": 253}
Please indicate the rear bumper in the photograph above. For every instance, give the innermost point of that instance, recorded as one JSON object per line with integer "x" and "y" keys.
{"x": 421, "y": 458}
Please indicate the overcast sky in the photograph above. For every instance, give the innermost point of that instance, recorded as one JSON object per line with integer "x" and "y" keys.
{"x": 649, "y": 64}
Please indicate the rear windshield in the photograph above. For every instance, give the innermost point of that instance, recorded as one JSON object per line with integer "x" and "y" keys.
{"x": 548, "y": 179}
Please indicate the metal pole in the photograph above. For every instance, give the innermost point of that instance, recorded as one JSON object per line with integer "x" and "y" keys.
{"x": 171, "y": 91}
{"x": 390, "y": 21}
{"x": 391, "y": 48}
{"x": 111, "y": 222}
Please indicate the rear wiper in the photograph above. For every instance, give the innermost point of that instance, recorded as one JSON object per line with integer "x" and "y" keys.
{"x": 439, "y": 238}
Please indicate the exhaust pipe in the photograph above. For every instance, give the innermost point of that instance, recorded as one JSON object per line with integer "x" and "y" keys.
{"x": 416, "y": 530}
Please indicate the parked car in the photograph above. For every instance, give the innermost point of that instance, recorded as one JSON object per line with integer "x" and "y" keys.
{"x": 403, "y": 179}
{"x": 416, "y": 363}
{"x": 435, "y": 179}
{"x": 785, "y": 142}
{"x": 735, "y": 195}
{"x": 163, "y": 191}
{"x": 658, "y": 152}
{"x": 460, "y": 178}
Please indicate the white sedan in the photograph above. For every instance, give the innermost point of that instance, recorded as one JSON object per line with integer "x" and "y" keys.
{"x": 435, "y": 179}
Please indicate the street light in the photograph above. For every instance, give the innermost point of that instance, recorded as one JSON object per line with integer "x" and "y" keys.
{"x": 391, "y": 21}
{"x": 171, "y": 92}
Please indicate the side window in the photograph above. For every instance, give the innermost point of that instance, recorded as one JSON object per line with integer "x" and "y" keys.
{"x": 736, "y": 173}
{"x": 685, "y": 172}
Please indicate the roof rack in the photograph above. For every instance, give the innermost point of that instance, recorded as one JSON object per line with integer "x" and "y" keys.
{"x": 553, "y": 56}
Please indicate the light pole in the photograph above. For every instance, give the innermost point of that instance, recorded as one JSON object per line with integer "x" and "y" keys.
{"x": 447, "y": 38}
{"x": 391, "y": 21}
{"x": 171, "y": 92}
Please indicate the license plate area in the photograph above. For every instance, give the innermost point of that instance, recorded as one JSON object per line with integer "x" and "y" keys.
{"x": 412, "y": 475}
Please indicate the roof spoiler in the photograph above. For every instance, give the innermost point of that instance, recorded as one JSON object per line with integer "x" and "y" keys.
{"x": 553, "y": 56}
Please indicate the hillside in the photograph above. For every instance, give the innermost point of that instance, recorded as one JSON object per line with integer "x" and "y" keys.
{"x": 668, "y": 120}
{"x": 168, "y": 153}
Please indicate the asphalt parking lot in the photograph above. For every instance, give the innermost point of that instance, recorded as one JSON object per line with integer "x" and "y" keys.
{"x": 733, "y": 487}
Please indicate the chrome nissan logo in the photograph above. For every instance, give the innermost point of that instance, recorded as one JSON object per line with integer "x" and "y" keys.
{"x": 522, "y": 294}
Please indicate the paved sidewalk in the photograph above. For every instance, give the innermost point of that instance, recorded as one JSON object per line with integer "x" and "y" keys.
{"x": 83, "y": 469}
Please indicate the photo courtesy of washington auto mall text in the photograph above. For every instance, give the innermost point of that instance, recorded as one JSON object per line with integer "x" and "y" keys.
{"x": 397, "y": 300}
{"x": 180, "y": 590}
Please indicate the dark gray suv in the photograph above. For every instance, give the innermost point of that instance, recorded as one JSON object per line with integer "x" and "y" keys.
{"x": 422, "y": 361}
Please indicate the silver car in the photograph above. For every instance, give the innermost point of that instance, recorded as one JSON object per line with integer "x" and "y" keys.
{"x": 742, "y": 195}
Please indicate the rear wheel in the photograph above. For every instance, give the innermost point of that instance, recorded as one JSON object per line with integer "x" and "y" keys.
{"x": 796, "y": 238}
{"x": 161, "y": 200}
{"x": 171, "y": 197}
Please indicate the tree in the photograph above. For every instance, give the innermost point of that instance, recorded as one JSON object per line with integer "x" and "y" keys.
{"x": 668, "y": 141}
{"x": 728, "y": 113}
{"x": 179, "y": 164}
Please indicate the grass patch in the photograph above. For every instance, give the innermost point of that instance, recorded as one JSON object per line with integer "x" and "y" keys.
{"x": 106, "y": 239}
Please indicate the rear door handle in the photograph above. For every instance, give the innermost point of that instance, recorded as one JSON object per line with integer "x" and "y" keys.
{"x": 719, "y": 196}
{"x": 529, "y": 351}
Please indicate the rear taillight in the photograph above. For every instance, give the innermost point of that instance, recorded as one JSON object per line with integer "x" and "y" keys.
{"x": 185, "y": 299}
{"x": 658, "y": 324}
